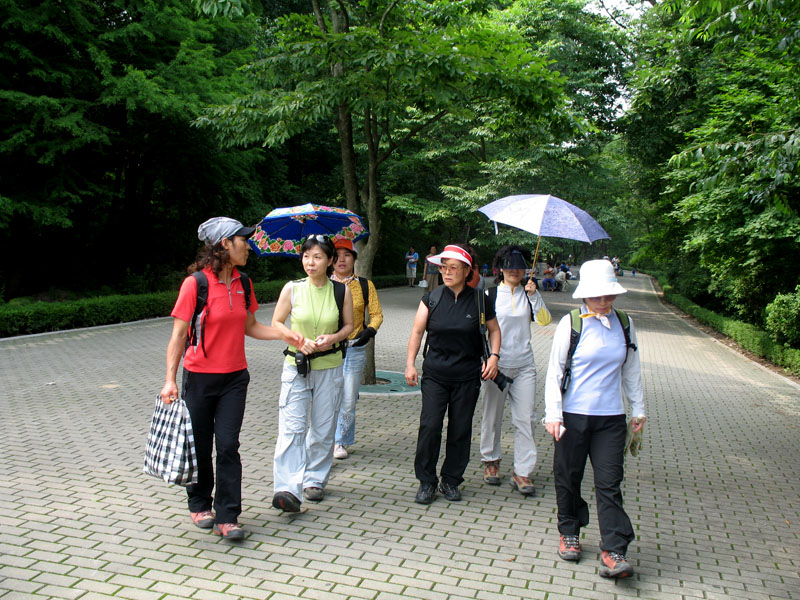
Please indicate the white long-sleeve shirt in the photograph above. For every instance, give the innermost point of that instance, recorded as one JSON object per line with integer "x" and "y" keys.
{"x": 513, "y": 310}
{"x": 599, "y": 377}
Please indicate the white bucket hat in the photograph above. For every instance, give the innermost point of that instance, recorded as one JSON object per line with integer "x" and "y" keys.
{"x": 597, "y": 278}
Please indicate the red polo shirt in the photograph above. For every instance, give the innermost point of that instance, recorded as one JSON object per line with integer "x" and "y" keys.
{"x": 224, "y": 317}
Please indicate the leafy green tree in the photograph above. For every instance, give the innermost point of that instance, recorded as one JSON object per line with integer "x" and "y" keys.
{"x": 97, "y": 101}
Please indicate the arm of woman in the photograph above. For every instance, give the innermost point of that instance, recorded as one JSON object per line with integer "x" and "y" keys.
{"x": 632, "y": 383}
{"x": 283, "y": 309}
{"x": 414, "y": 342}
{"x": 553, "y": 401}
{"x": 327, "y": 340}
{"x": 260, "y": 331}
{"x": 538, "y": 306}
{"x": 489, "y": 370}
{"x": 375, "y": 309}
{"x": 175, "y": 347}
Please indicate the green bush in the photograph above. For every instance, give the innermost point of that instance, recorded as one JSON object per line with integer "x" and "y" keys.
{"x": 23, "y": 318}
{"x": 748, "y": 336}
{"x": 783, "y": 318}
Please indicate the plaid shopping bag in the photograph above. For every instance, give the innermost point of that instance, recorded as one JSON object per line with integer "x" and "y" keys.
{"x": 170, "y": 454}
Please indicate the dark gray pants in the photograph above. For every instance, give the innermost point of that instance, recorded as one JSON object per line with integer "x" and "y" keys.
{"x": 602, "y": 439}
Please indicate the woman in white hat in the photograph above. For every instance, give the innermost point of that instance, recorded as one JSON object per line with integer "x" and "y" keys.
{"x": 452, "y": 371}
{"x": 587, "y": 416}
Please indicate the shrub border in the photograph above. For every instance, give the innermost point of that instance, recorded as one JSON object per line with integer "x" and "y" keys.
{"x": 42, "y": 317}
{"x": 748, "y": 336}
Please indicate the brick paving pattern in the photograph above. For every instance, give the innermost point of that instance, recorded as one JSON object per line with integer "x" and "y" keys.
{"x": 714, "y": 495}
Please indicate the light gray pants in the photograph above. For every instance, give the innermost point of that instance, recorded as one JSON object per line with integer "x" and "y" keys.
{"x": 520, "y": 396}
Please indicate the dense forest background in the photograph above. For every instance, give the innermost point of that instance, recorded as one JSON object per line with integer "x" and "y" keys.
{"x": 126, "y": 123}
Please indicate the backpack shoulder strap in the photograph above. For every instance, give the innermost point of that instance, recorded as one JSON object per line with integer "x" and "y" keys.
{"x": 364, "y": 290}
{"x": 338, "y": 295}
{"x": 202, "y": 299}
{"x": 492, "y": 293}
{"x": 433, "y": 301}
{"x": 625, "y": 321}
{"x": 247, "y": 289}
{"x": 574, "y": 337}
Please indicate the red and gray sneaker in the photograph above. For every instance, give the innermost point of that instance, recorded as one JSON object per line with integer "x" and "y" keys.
{"x": 230, "y": 531}
{"x": 615, "y": 565}
{"x": 203, "y": 519}
{"x": 570, "y": 547}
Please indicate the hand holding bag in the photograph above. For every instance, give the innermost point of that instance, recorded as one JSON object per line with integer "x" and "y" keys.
{"x": 170, "y": 453}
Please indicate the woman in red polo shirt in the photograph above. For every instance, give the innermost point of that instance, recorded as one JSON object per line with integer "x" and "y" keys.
{"x": 215, "y": 373}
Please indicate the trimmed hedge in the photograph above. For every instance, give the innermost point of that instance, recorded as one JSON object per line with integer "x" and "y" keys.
{"x": 748, "y": 336}
{"x": 39, "y": 317}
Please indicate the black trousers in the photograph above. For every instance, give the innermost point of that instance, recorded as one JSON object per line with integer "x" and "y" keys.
{"x": 602, "y": 439}
{"x": 216, "y": 405}
{"x": 458, "y": 400}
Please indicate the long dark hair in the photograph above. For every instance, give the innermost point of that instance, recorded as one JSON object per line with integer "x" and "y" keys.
{"x": 215, "y": 257}
{"x": 326, "y": 245}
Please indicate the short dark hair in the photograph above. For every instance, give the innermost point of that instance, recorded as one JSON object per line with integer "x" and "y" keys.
{"x": 325, "y": 244}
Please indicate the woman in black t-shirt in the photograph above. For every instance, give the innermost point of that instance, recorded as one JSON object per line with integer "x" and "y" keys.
{"x": 452, "y": 371}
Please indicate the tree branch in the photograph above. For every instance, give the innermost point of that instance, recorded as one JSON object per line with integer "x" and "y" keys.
{"x": 613, "y": 18}
{"x": 411, "y": 134}
{"x": 318, "y": 16}
{"x": 386, "y": 14}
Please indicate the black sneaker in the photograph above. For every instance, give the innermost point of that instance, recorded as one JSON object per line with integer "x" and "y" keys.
{"x": 451, "y": 492}
{"x": 426, "y": 493}
{"x": 286, "y": 502}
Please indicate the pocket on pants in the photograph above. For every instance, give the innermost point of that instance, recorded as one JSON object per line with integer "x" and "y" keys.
{"x": 291, "y": 381}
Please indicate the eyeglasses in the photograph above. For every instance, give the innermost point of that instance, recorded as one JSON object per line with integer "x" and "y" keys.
{"x": 452, "y": 269}
{"x": 318, "y": 237}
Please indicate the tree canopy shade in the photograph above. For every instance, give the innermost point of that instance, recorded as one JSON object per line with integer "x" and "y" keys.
{"x": 100, "y": 157}
{"x": 385, "y": 73}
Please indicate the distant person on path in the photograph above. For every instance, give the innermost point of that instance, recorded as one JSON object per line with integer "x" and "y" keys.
{"x": 452, "y": 372}
{"x": 363, "y": 332}
{"x": 312, "y": 381}
{"x": 215, "y": 375}
{"x": 588, "y": 418}
{"x": 516, "y": 306}
{"x": 411, "y": 265}
{"x": 548, "y": 278}
{"x": 431, "y": 271}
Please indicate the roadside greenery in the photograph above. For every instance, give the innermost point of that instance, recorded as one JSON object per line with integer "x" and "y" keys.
{"x": 39, "y": 317}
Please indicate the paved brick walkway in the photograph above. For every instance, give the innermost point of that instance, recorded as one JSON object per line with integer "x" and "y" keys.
{"x": 714, "y": 495}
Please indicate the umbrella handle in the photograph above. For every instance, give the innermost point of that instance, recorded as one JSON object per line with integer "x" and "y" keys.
{"x": 535, "y": 256}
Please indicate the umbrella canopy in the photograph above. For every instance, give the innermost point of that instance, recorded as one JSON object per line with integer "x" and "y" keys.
{"x": 283, "y": 231}
{"x": 545, "y": 215}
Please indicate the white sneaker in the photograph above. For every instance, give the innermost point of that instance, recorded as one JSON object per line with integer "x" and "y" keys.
{"x": 340, "y": 452}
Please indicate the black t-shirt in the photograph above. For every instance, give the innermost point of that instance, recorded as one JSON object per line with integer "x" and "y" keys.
{"x": 454, "y": 341}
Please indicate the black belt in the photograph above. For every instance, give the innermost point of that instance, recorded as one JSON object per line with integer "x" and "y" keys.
{"x": 337, "y": 348}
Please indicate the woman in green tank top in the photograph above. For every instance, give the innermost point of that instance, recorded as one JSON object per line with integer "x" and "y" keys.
{"x": 310, "y": 396}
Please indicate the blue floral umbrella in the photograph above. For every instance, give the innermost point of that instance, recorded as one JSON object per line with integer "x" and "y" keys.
{"x": 283, "y": 231}
{"x": 545, "y": 215}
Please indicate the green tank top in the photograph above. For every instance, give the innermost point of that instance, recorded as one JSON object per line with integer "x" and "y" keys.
{"x": 314, "y": 312}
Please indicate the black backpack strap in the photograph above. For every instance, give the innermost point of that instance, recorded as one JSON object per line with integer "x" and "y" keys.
{"x": 247, "y": 289}
{"x": 364, "y": 290}
{"x": 481, "y": 300}
{"x": 625, "y": 321}
{"x": 338, "y": 295}
{"x": 576, "y": 325}
{"x": 433, "y": 301}
{"x": 200, "y": 304}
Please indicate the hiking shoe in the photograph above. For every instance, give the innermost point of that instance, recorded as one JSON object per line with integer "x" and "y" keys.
{"x": 340, "y": 452}
{"x": 286, "y": 502}
{"x": 426, "y": 493}
{"x": 522, "y": 484}
{"x": 230, "y": 531}
{"x": 203, "y": 519}
{"x": 315, "y": 494}
{"x": 491, "y": 474}
{"x": 570, "y": 547}
{"x": 614, "y": 564}
{"x": 451, "y": 492}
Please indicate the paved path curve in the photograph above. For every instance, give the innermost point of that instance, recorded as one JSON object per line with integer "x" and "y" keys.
{"x": 714, "y": 496}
